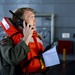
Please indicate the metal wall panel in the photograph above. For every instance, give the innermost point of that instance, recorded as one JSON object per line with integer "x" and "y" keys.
{"x": 21, "y": 1}
{"x": 64, "y": 10}
{"x": 58, "y": 1}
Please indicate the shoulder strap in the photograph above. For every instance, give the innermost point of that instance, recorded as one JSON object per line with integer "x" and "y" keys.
{"x": 14, "y": 34}
{"x": 29, "y": 61}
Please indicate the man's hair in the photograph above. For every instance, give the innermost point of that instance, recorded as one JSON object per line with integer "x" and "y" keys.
{"x": 20, "y": 12}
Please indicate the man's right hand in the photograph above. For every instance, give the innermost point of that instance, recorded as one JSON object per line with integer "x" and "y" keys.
{"x": 27, "y": 32}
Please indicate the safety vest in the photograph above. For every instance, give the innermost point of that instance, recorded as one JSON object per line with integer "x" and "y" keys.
{"x": 11, "y": 30}
{"x": 33, "y": 63}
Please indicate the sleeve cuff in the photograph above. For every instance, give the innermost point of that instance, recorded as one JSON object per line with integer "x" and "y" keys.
{"x": 24, "y": 46}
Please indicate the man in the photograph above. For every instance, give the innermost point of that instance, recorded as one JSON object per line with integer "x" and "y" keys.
{"x": 11, "y": 55}
{"x": 16, "y": 48}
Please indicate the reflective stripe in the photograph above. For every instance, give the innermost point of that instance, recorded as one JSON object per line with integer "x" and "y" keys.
{"x": 31, "y": 40}
{"x": 6, "y": 25}
{"x": 40, "y": 41}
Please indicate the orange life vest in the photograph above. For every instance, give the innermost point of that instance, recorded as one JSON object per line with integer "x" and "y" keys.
{"x": 33, "y": 63}
{"x": 11, "y": 30}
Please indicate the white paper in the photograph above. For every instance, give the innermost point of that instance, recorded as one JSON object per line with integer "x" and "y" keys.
{"x": 51, "y": 57}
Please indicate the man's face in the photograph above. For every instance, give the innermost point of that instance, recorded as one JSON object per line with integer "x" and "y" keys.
{"x": 29, "y": 17}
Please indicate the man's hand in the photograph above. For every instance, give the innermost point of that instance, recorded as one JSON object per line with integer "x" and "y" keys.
{"x": 27, "y": 32}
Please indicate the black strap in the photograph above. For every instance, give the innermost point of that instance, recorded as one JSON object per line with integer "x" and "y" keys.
{"x": 28, "y": 61}
{"x": 15, "y": 34}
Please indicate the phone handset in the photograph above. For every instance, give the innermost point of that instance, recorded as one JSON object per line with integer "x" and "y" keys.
{"x": 21, "y": 23}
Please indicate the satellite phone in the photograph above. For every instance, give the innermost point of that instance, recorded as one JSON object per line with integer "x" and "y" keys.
{"x": 20, "y": 21}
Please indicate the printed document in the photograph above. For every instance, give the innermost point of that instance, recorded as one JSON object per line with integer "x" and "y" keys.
{"x": 51, "y": 57}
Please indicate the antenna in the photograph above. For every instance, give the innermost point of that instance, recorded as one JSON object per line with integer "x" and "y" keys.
{"x": 15, "y": 15}
{"x": 20, "y": 22}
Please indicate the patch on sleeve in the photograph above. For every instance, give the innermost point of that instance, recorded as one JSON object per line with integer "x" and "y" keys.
{"x": 3, "y": 42}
